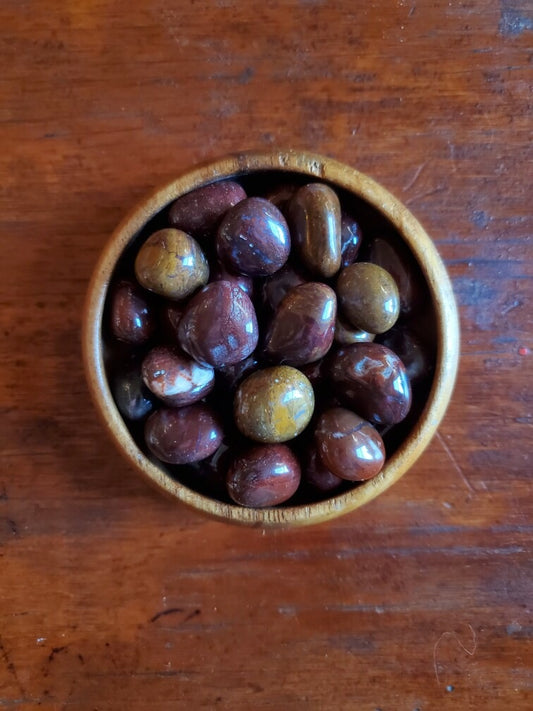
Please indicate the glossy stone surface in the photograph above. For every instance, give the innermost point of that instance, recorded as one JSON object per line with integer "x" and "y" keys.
{"x": 346, "y": 334}
{"x": 275, "y": 288}
{"x": 183, "y": 435}
{"x": 395, "y": 258}
{"x": 368, "y": 297}
{"x": 351, "y": 238}
{"x": 372, "y": 380}
{"x": 411, "y": 351}
{"x": 265, "y": 475}
{"x": 220, "y": 273}
{"x": 175, "y": 377}
{"x": 274, "y": 404}
{"x": 301, "y": 330}
{"x": 200, "y": 211}
{"x": 131, "y": 396}
{"x": 171, "y": 263}
{"x": 315, "y": 221}
{"x": 131, "y": 317}
{"x": 219, "y": 325}
{"x": 348, "y": 445}
{"x": 318, "y": 476}
{"x": 253, "y": 238}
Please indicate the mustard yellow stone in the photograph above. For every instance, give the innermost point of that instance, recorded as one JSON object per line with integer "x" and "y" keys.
{"x": 172, "y": 264}
{"x": 274, "y": 404}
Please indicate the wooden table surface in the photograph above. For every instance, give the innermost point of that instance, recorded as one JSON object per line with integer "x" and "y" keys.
{"x": 112, "y": 597}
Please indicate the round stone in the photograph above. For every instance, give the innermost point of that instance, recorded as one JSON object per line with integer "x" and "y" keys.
{"x": 171, "y": 263}
{"x": 253, "y": 238}
{"x": 368, "y": 297}
{"x": 175, "y": 377}
{"x": 274, "y": 404}
{"x": 131, "y": 317}
{"x": 265, "y": 475}
{"x": 183, "y": 435}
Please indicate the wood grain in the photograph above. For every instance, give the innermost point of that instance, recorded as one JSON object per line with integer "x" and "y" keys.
{"x": 112, "y": 597}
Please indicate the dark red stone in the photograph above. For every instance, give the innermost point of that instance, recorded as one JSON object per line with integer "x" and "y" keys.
{"x": 348, "y": 445}
{"x": 301, "y": 330}
{"x": 276, "y": 287}
{"x": 265, "y": 475}
{"x": 170, "y": 316}
{"x": 253, "y": 238}
{"x": 371, "y": 379}
{"x": 131, "y": 317}
{"x": 199, "y": 211}
{"x": 318, "y": 476}
{"x": 183, "y": 435}
{"x": 176, "y": 378}
{"x": 351, "y": 238}
{"x": 219, "y": 325}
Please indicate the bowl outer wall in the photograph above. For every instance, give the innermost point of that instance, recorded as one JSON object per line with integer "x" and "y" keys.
{"x": 317, "y": 167}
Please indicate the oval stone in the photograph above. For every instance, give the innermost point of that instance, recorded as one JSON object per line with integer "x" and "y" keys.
{"x": 351, "y": 238}
{"x": 219, "y": 325}
{"x": 200, "y": 211}
{"x": 265, "y": 475}
{"x": 171, "y": 263}
{"x": 371, "y": 379}
{"x": 368, "y": 297}
{"x": 274, "y": 404}
{"x": 315, "y": 221}
{"x": 253, "y": 238}
{"x": 175, "y": 377}
{"x": 302, "y": 328}
{"x": 131, "y": 317}
{"x": 183, "y": 435}
{"x": 348, "y": 445}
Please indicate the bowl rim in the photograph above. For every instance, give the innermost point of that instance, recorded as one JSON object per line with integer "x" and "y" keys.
{"x": 315, "y": 166}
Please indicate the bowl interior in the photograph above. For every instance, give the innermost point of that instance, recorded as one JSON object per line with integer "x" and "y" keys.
{"x": 379, "y": 215}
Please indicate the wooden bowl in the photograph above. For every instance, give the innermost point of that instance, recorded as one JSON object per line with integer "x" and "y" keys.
{"x": 287, "y": 165}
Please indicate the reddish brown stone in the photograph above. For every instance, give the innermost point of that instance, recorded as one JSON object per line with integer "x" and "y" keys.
{"x": 183, "y": 435}
{"x": 302, "y": 328}
{"x": 265, "y": 475}
{"x": 176, "y": 378}
{"x": 371, "y": 379}
{"x": 199, "y": 211}
{"x": 130, "y": 314}
{"x": 348, "y": 445}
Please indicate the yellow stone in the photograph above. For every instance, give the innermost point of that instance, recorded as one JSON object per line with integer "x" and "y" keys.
{"x": 274, "y": 404}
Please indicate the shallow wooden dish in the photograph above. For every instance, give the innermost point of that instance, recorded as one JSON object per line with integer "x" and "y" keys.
{"x": 342, "y": 177}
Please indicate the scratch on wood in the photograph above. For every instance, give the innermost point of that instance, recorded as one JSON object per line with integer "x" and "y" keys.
{"x": 438, "y": 189}
{"x": 455, "y": 463}
{"x": 163, "y": 613}
{"x": 415, "y": 176}
{"x": 454, "y": 636}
